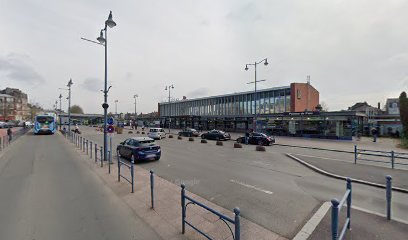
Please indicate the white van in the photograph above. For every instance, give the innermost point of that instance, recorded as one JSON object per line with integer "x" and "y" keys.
{"x": 156, "y": 133}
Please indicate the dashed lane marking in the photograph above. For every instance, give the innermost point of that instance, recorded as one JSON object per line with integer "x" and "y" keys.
{"x": 250, "y": 186}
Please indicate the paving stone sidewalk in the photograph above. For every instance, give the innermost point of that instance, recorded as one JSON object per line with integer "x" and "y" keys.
{"x": 166, "y": 217}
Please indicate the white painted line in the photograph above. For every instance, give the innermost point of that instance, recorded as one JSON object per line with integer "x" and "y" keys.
{"x": 311, "y": 225}
{"x": 336, "y": 159}
{"x": 250, "y": 186}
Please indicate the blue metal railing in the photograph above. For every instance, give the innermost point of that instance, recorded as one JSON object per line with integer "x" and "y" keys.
{"x": 336, "y": 207}
{"x": 236, "y": 235}
{"x": 392, "y": 155}
{"x": 131, "y": 168}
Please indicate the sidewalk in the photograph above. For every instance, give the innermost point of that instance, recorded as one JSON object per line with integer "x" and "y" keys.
{"x": 363, "y": 226}
{"x": 166, "y": 217}
{"x": 360, "y": 171}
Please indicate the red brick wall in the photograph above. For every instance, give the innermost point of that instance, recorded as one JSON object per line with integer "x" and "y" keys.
{"x": 303, "y": 96}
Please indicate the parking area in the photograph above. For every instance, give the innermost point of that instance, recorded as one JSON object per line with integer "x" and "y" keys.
{"x": 271, "y": 189}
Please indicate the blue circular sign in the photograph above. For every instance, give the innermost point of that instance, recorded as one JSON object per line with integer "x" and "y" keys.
{"x": 110, "y": 121}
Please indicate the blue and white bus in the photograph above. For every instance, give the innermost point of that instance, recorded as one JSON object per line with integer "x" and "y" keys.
{"x": 45, "y": 124}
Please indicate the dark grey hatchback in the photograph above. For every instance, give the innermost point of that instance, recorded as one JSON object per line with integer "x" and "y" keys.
{"x": 139, "y": 148}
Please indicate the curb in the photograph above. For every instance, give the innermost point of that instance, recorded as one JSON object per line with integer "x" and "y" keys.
{"x": 313, "y": 222}
{"x": 354, "y": 180}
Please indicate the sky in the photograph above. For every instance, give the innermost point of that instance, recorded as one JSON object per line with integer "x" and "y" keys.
{"x": 354, "y": 50}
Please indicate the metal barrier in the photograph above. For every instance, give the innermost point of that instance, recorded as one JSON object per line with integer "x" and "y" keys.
{"x": 336, "y": 207}
{"x": 5, "y": 141}
{"x": 236, "y": 235}
{"x": 393, "y": 156}
{"x": 131, "y": 168}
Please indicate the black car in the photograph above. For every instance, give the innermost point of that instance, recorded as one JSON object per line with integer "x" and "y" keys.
{"x": 189, "y": 132}
{"x": 216, "y": 135}
{"x": 258, "y": 139}
{"x": 139, "y": 148}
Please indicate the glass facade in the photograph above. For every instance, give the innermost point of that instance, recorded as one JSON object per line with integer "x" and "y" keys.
{"x": 270, "y": 101}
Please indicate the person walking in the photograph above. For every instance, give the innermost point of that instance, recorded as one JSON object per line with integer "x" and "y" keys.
{"x": 374, "y": 132}
{"x": 9, "y": 134}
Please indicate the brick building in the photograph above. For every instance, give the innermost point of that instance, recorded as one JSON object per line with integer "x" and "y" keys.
{"x": 13, "y": 105}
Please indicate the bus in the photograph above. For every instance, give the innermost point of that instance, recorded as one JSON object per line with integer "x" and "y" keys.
{"x": 45, "y": 124}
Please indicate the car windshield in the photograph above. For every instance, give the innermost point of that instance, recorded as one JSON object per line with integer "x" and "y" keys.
{"x": 145, "y": 143}
{"x": 192, "y": 130}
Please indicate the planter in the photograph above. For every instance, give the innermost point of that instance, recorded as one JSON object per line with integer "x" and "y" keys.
{"x": 260, "y": 148}
{"x": 179, "y": 138}
{"x": 203, "y": 141}
{"x": 137, "y": 132}
{"x": 219, "y": 143}
{"x": 237, "y": 145}
{"x": 191, "y": 139}
{"x": 130, "y": 132}
{"x": 170, "y": 136}
{"x": 143, "y": 132}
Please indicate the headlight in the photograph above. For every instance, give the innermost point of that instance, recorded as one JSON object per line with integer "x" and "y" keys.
{"x": 159, "y": 150}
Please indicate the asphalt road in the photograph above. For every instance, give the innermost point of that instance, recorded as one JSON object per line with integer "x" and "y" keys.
{"x": 270, "y": 188}
{"x": 47, "y": 193}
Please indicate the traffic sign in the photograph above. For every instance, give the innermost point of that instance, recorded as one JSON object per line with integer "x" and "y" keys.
{"x": 110, "y": 129}
{"x": 110, "y": 121}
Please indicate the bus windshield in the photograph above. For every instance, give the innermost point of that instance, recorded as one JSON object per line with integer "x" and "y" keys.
{"x": 45, "y": 119}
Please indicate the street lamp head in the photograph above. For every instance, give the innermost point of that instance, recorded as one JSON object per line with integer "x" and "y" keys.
{"x": 101, "y": 39}
{"x": 246, "y": 67}
{"x": 172, "y": 86}
{"x": 60, "y": 96}
{"x": 110, "y": 23}
{"x": 165, "y": 88}
{"x": 135, "y": 96}
{"x": 69, "y": 83}
{"x": 266, "y": 62}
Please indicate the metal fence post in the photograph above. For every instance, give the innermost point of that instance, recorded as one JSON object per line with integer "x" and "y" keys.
{"x": 118, "y": 157}
{"x": 80, "y": 143}
{"x": 237, "y": 224}
{"x": 152, "y": 187}
{"x": 109, "y": 160}
{"x": 389, "y": 195}
{"x": 349, "y": 202}
{"x": 87, "y": 146}
{"x": 96, "y": 153}
{"x": 90, "y": 150}
{"x": 335, "y": 218}
{"x": 1, "y": 142}
{"x": 101, "y": 150}
{"x": 132, "y": 170}
{"x": 355, "y": 154}
{"x": 392, "y": 159}
{"x": 183, "y": 208}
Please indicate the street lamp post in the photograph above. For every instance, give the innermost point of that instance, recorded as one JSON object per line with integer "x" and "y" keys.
{"x": 60, "y": 109}
{"x": 135, "y": 97}
{"x": 116, "y": 107}
{"x": 69, "y": 105}
{"x": 169, "y": 87}
{"x": 256, "y": 81}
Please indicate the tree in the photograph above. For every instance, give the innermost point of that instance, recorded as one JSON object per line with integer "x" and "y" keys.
{"x": 76, "y": 109}
{"x": 403, "y": 107}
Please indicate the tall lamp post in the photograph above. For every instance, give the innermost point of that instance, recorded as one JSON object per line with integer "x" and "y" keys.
{"x": 135, "y": 97}
{"x": 169, "y": 87}
{"x": 265, "y": 61}
{"x": 69, "y": 105}
{"x": 104, "y": 41}
{"x": 60, "y": 110}
{"x": 116, "y": 107}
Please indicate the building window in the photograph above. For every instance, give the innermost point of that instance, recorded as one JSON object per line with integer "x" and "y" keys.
{"x": 298, "y": 94}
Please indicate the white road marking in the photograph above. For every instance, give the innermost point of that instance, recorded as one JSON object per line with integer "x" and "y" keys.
{"x": 250, "y": 186}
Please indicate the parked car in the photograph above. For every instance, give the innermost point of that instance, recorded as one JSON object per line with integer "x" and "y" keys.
{"x": 258, "y": 139}
{"x": 156, "y": 133}
{"x": 3, "y": 125}
{"x": 189, "y": 132}
{"x": 139, "y": 148}
{"x": 216, "y": 135}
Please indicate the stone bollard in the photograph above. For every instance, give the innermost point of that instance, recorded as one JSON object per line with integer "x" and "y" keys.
{"x": 170, "y": 136}
{"x": 260, "y": 148}
{"x": 219, "y": 143}
{"x": 179, "y": 138}
{"x": 143, "y": 132}
{"x": 130, "y": 132}
{"x": 203, "y": 141}
{"x": 237, "y": 145}
{"x": 191, "y": 139}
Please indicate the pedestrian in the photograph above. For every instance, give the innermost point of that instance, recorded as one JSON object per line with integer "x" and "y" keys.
{"x": 374, "y": 132}
{"x": 9, "y": 134}
{"x": 246, "y": 137}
